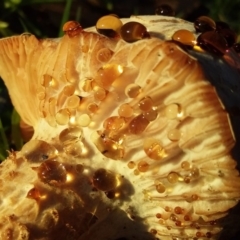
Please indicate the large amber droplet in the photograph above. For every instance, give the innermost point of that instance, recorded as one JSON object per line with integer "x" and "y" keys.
{"x": 212, "y": 42}
{"x": 70, "y": 135}
{"x": 114, "y": 123}
{"x": 52, "y": 171}
{"x": 204, "y": 24}
{"x": 138, "y": 124}
{"x": 154, "y": 149}
{"x": 72, "y": 28}
{"x": 108, "y": 74}
{"x": 133, "y": 31}
{"x": 105, "y": 180}
{"x": 185, "y": 37}
{"x": 109, "y": 25}
{"x": 38, "y": 150}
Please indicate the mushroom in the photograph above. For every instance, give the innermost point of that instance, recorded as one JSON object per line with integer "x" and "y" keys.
{"x": 131, "y": 140}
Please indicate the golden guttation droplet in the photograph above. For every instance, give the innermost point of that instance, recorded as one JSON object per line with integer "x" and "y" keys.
{"x": 33, "y": 194}
{"x": 125, "y": 110}
{"x": 75, "y": 149}
{"x": 143, "y": 166}
{"x": 92, "y": 107}
{"x": 158, "y": 215}
{"x": 131, "y": 164}
{"x": 168, "y": 209}
{"x": 105, "y": 180}
{"x": 194, "y": 197}
{"x": 154, "y": 149}
{"x": 194, "y": 173}
{"x": 153, "y": 231}
{"x": 151, "y": 115}
{"x": 145, "y": 104}
{"x": 185, "y": 165}
{"x": 138, "y": 124}
{"x": 185, "y": 37}
{"x": 178, "y": 210}
{"x": 84, "y": 120}
{"x": 114, "y": 123}
{"x": 38, "y": 150}
{"x": 100, "y": 94}
{"x": 160, "y": 188}
{"x": 174, "y": 134}
{"x": 104, "y": 55}
{"x": 107, "y": 74}
{"x": 62, "y": 117}
{"x": 109, "y": 25}
{"x": 73, "y": 101}
{"x": 108, "y": 147}
{"x": 173, "y": 177}
{"x": 187, "y": 218}
{"x": 69, "y": 90}
{"x": 72, "y": 28}
{"x": 132, "y": 90}
{"x": 70, "y": 135}
{"x": 52, "y": 172}
{"x": 173, "y": 111}
{"x": 136, "y": 172}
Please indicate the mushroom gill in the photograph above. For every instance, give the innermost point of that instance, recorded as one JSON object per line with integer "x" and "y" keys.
{"x": 131, "y": 140}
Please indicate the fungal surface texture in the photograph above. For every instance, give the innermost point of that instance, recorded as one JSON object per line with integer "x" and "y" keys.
{"x": 130, "y": 140}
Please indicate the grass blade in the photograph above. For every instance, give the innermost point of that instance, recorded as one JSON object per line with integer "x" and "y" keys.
{"x": 16, "y": 134}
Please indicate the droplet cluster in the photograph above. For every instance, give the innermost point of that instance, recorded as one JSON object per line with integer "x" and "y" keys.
{"x": 111, "y": 26}
{"x": 214, "y": 37}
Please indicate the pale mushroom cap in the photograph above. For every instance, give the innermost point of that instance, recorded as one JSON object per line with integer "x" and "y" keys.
{"x": 131, "y": 140}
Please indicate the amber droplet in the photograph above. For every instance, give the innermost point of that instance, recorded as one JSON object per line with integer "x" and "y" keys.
{"x": 70, "y": 135}
{"x": 73, "y": 101}
{"x": 104, "y": 55}
{"x": 145, "y": 104}
{"x": 173, "y": 177}
{"x": 105, "y": 180}
{"x": 72, "y": 28}
{"x": 173, "y": 111}
{"x": 83, "y": 120}
{"x": 204, "y": 24}
{"x": 143, "y": 166}
{"x": 109, "y": 25}
{"x": 125, "y": 110}
{"x": 132, "y": 90}
{"x": 212, "y": 42}
{"x": 133, "y": 31}
{"x": 107, "y": 74}
{"x": 138, "y": 124}
{"x": 158, "y": 215}
{"x": 100, "y": 94}
{"x": 52, "y": 171}
{"x": 229, "y": 35}
{"x": 153, "y": 231}
{"x": 107, "y": 146}
{"x": 92, "y": 107}
{"x": 165, "y": 10}
{"x": 151, "y": 115}
{"x": 62, "y": 116}
{"x": 185, "y": 165}
{"x": 178, "y": 210}
{"x": 185, "y": 37}
{"x": 221, "y": 25}
{"x": 208, "y": 234}
{"x": 187, "y": 218}
{"x": 174, "y": 135}
{"x": 236, "y": 47}
{"x": 194, "y": 197}
{"x": 154, "y": 149}
{"x": 198, "y": 234}
{"x": 160, "y": 188}
{"x": 38, "y": 151}
{"x": 114, "y": 123}
{"x": 33, "y": 193}
{"x": 131, "y": 164}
